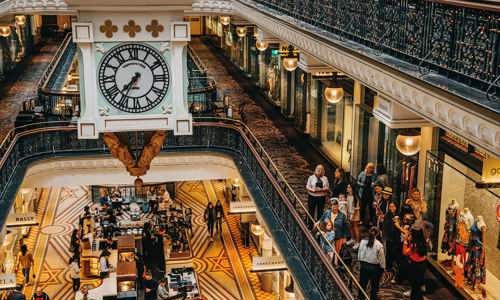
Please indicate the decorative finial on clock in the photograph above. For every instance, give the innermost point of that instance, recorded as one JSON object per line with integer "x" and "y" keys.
{"x": 167, "y": 110}
{"x": 104, "y": 111}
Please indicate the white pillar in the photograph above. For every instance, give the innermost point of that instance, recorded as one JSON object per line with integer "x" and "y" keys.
{"x": 88, "y": 94}
{"x": 179, "y": 79}
{"x": 427, "y": 141}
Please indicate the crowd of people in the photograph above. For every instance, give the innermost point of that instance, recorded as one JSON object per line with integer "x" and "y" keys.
{"x": 389, "y": 235}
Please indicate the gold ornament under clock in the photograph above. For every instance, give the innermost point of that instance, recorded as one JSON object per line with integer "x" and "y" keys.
{"x": 121, "y": 151}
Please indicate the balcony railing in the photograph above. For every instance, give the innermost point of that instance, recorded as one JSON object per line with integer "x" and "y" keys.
{"x": 458, "y": 39}
{"x": 202, "y": 90}
{"x": 38, "y": 141}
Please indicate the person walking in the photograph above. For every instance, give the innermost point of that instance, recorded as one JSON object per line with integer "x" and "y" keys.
{"x": 75, "y": 273}
{"x": 317, "y": 190}
{"x": 415, "y": 248}
{"x": 40, "y": 295}
{"x": 372, "y": 259}
{"x": 209, "y": 217}
{"x": 219, "y": 217}
{"x": 25, "y": 259}
{"x": 366, "y": 182}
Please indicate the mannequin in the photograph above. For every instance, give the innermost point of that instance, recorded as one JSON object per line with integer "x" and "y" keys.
{"x": 450, "y": 228}
{"x": 469, "y": 218}
{"x": 476, "y": 266}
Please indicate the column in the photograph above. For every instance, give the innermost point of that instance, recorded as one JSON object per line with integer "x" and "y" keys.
{"x": 88, "y": 93}
{"x": 267, "y": 250}
{"x": 428, "y": 142}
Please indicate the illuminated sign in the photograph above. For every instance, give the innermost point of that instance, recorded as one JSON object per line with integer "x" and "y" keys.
{"x": 491, "y": 170}
{"x": 26, "y": 219}
{"x": 7, "y": 281}
{"x": 289, "y": 51}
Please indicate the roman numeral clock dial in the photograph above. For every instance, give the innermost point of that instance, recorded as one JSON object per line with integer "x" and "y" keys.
{"x": 133, "y": 78}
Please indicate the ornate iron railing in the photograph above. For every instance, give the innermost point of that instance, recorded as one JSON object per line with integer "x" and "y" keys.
{"x": 459, "y": 42}
{"x": 38, "y": 141}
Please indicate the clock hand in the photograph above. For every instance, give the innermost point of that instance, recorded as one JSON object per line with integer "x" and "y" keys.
{"x": 132, "y": 82}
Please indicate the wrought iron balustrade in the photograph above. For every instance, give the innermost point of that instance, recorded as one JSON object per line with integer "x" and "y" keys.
{"x": 459, "y": 42}
{"x": 40, "y": 141}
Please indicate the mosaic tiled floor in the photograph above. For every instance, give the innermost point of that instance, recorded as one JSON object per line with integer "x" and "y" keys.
{"x": 222, "y": 266}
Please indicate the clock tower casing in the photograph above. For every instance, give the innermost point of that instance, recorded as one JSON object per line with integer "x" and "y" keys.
{"x": 133, "y": 74}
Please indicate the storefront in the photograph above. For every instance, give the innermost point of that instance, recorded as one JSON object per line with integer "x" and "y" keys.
{"x": 17, "y": 226}
{"x": 271, "y": 68}
{"x": 464, "y": 212}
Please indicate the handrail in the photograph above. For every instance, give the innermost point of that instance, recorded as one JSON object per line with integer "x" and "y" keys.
{"x": 47, "y": 74}
{"x": 272, "y": 174}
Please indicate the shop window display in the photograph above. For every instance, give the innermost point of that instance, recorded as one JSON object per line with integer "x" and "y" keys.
{"x": 465, "y": 224}
{"x": 272, "y": 84}
{"x": 336, "y": 126}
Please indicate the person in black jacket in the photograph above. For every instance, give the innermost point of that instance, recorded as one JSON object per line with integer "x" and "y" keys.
{"x": 392, "y": 237}
{"x": 219, "y": 217}
{"x": 210, "y": 216}
{"x": 339, "y": 183}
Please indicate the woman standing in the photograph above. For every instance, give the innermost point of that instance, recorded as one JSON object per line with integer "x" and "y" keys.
{"x": 219, "y": 217}
{"x": 104, "y": 265}
{"x": 339, "y": 183}
{"x": 25, "y": 259}
{"x": 340, "y": 224}
{"x": 415, "y": 248}
{"x": 392, "y": 237}
{"x": 209, "y": 217}
{"x": 372, "y": 259}
{"x": 317, "y": 189}
{"x": 353, "y": 215}
{"x": 75, "y": 273}
{"x": 417, "y": 204}
{"x": 366, "y": 182}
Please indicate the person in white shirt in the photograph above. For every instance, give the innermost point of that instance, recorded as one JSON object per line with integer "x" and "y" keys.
{"x": 74, "y": 268}
{"x": 318, "y": 191}
{"x": 372, "y": 259}
{"x": 103, "y": 263}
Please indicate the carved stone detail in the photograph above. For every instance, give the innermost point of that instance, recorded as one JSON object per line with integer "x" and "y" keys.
{"x": 122, "y": 152}
{"x": 155, "y": 28}
{"x": 412, "y": 94}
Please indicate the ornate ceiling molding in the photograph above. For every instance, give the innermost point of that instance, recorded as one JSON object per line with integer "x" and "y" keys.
{"x": 481, "y": 130}
{"x": 213, "y": 7}
{"x": 9, "y": 7}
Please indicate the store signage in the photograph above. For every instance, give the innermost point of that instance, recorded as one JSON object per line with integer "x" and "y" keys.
{"x": 491, "y": 170}
{"x": 289, "y": 51}
{"x": 7, "y": 281}
{"x": 26, "y": 219}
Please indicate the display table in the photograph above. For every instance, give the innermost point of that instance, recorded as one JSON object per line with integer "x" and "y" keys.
{"x": 183, "y": 280}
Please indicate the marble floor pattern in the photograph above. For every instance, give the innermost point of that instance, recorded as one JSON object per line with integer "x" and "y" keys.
{"x": 223, "y": 266}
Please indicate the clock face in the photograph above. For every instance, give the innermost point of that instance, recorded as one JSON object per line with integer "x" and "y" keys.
{"x": 133, "y": 78}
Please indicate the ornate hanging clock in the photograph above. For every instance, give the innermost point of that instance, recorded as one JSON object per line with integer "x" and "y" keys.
{"x": 134, "y": 77}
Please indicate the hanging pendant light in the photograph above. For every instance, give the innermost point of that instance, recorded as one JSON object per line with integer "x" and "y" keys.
{"x": 290, "y": 63}
{"x": 241, "y": 31}
{"x": 261, "y": 45}
{"x": 20, "y": 20}
{"x": 334, "y": 95}
{"x": 5, "y": 31}
{"x": 225, "y": 20}
{"x": 408, "y": 144}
